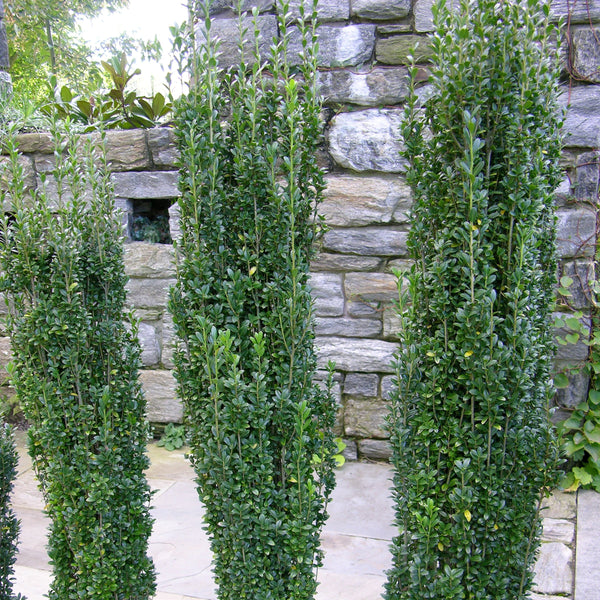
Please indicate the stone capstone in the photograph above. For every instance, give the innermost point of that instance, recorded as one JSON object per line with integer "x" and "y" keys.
{"x": 380, "y": 10}
{"x": 355, "y": 355}
{"x": 377, "y": 87}
{"x": 346, "y": 46}
{"x": 367, "y": 140}
{"x": 370, "y": 241}
{"x": 146, "y": 185}
{"x": 160, "y": 391}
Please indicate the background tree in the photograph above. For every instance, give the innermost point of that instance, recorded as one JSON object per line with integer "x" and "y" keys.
{"x": 472, "y": 442}
{"x": 43, "y": 41}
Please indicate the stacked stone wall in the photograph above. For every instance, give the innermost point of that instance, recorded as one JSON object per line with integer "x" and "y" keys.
{"x": 364, "y": 80}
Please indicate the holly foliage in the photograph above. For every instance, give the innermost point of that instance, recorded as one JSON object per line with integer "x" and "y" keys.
{"x": 473, "y": 448}
{"x": 75, "y": 372}
{"x": 259, "y": 426}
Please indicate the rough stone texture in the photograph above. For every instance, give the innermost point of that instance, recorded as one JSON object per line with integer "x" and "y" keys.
{"x": 35, "y": 142}
{"x": 149, "y": 344}
{"x": 577, "y": 391}
{"x": 576, "y": 233}
{"x": 576, "y": 11}
{"x": 340, "y": 262}
{"x": 146, "y": 185}
{"x": 370, "y": 287}
{"x": 387, "y": 386}
{"x": 365, "y": 418}
{"x": 174, "y": 222}
{"x": 587, "y": 582}
{"x": 380, "y": 10}
{"x": 227, "y": 31}
{"x": 367, "y": 140}
{"x": 582, "y": 123}
{"x": 585, "y": 54}
{"x": 329, "y": 10}
{"x": 370, "y": 241}
{"x": 573, "y": 353}
{"x": 359, "y": 356}
{"x": 553, "y": 573}
{"x": 380, "y": 86}
{"x": 581, "y": 272}
{"x": 362, "y": 328}
{"x": 167, "y": 341}
{"x": 361, "y": 310}
{"x": 326, "y": 289}
{"x": 126, "y": 150}
{"x": 560, "y": 505}
{"x": 4, "y": 55}
{"x": 159, "y": 387}
{"x": 148, "y": 293}
{"x": 361, "y": 384}
{"x": 391, "y": 323}
{"x": 558, "y": 530}
{"x": 347, "y": 46}
{"x": 585, "y": 187}
{"x": 352, "y": 200}
{"x": 396, "y": 49}
{"x": 423, "y": 16}
{"x": 163, "y": 151}
{"x": 220, "y": 6}
{"x": 5, "y": 357}
{"x": 374, "y": 449}
{"x": 152, "y": 261}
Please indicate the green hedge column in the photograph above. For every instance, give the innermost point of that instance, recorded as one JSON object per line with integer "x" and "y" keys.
{"x": 75, "y": 371}
{"x": 472, "y": 442}
{"x": 260, "y": 427}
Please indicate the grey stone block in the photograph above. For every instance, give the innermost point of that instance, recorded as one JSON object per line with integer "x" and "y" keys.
{"x": 228, "y": 33}
{"x": 151, "y": 261}
{"x": 168, "y": 341}
{"x": 576, "y": 11}
{"x": 327, "y": 293}
{"x": 149, "y": 344}
{"x": 367, "y": 140}
{"x": 370, "y": 241}
{"x": 577, "y": 391}
{"x": 380, "y": 10}
{"x": 558, "y": 530}
{"x": 160, "y": 391}
{"x": 341, "y": 262}
{"x": 362, "y": 310}
{"x": 355, "y": 355}
{"x": 370, "y": 287}
{"x": 377, "y": 87}
{"x": 126, "y": 150}
{"x": 553, "y": 569}
{"x": 146, "y": 185}
{"x": 328, "y": 10}
{"x": 148, "y": 293}
{"x": 340, "y": 326}
{"x": 346, "y": 46}
{"x": 163, "y": 149}
{"x": 363, "y": 385}
{"x": 560, "y": 505}
{"x": 585, "y": 54}
{"x": 380, "y": 450}
{"x": 365, "y": 418}
{"x": 576, "y": 232}
{"x": 423, "y": 15}
{"x": 396, "y": 49}
{"x": 387, "y": 386}
{"x": 391, "y": 323}
{"x": 4, "y": 55}
{"x": 35, "y": 142}
{"x": 581, "y": 272}
{"x": 353, "y": 201}
{"x": 587, "y": 578}
{"x": 582, "y": 124}
{"x": 585, "y": 187}
{"x": 572, "y": 353}
{"x": 5, "y": 358}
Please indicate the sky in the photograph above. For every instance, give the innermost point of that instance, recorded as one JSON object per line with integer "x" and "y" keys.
{"x": 141, "y": 19}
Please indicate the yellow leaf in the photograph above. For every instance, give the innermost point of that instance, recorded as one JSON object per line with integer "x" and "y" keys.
{"x": 252, "y": 270}
{"x": 431, "y": 354}
{"x": 467, "y": 514}
{"x": 474, "y": 227}
{"x": 468, "y": 353}
{"x": 440, "y": 546}
{"x": 495, "y": 526}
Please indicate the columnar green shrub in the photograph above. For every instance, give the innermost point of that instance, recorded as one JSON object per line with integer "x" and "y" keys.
{"x": 75, "y": 371}
{"x": 259, "y": 426}
{"x": 472, "y": 443}
{"x": 9, "y": 526}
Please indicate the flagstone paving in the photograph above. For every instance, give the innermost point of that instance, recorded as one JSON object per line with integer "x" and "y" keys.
{"x": 356, "y": 538}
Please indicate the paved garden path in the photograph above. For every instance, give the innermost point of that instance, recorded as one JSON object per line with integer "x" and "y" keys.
{"x": 356, "y": 538}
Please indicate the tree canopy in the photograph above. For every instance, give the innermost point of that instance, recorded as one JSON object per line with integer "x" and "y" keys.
{"x": 43, "y": 41}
